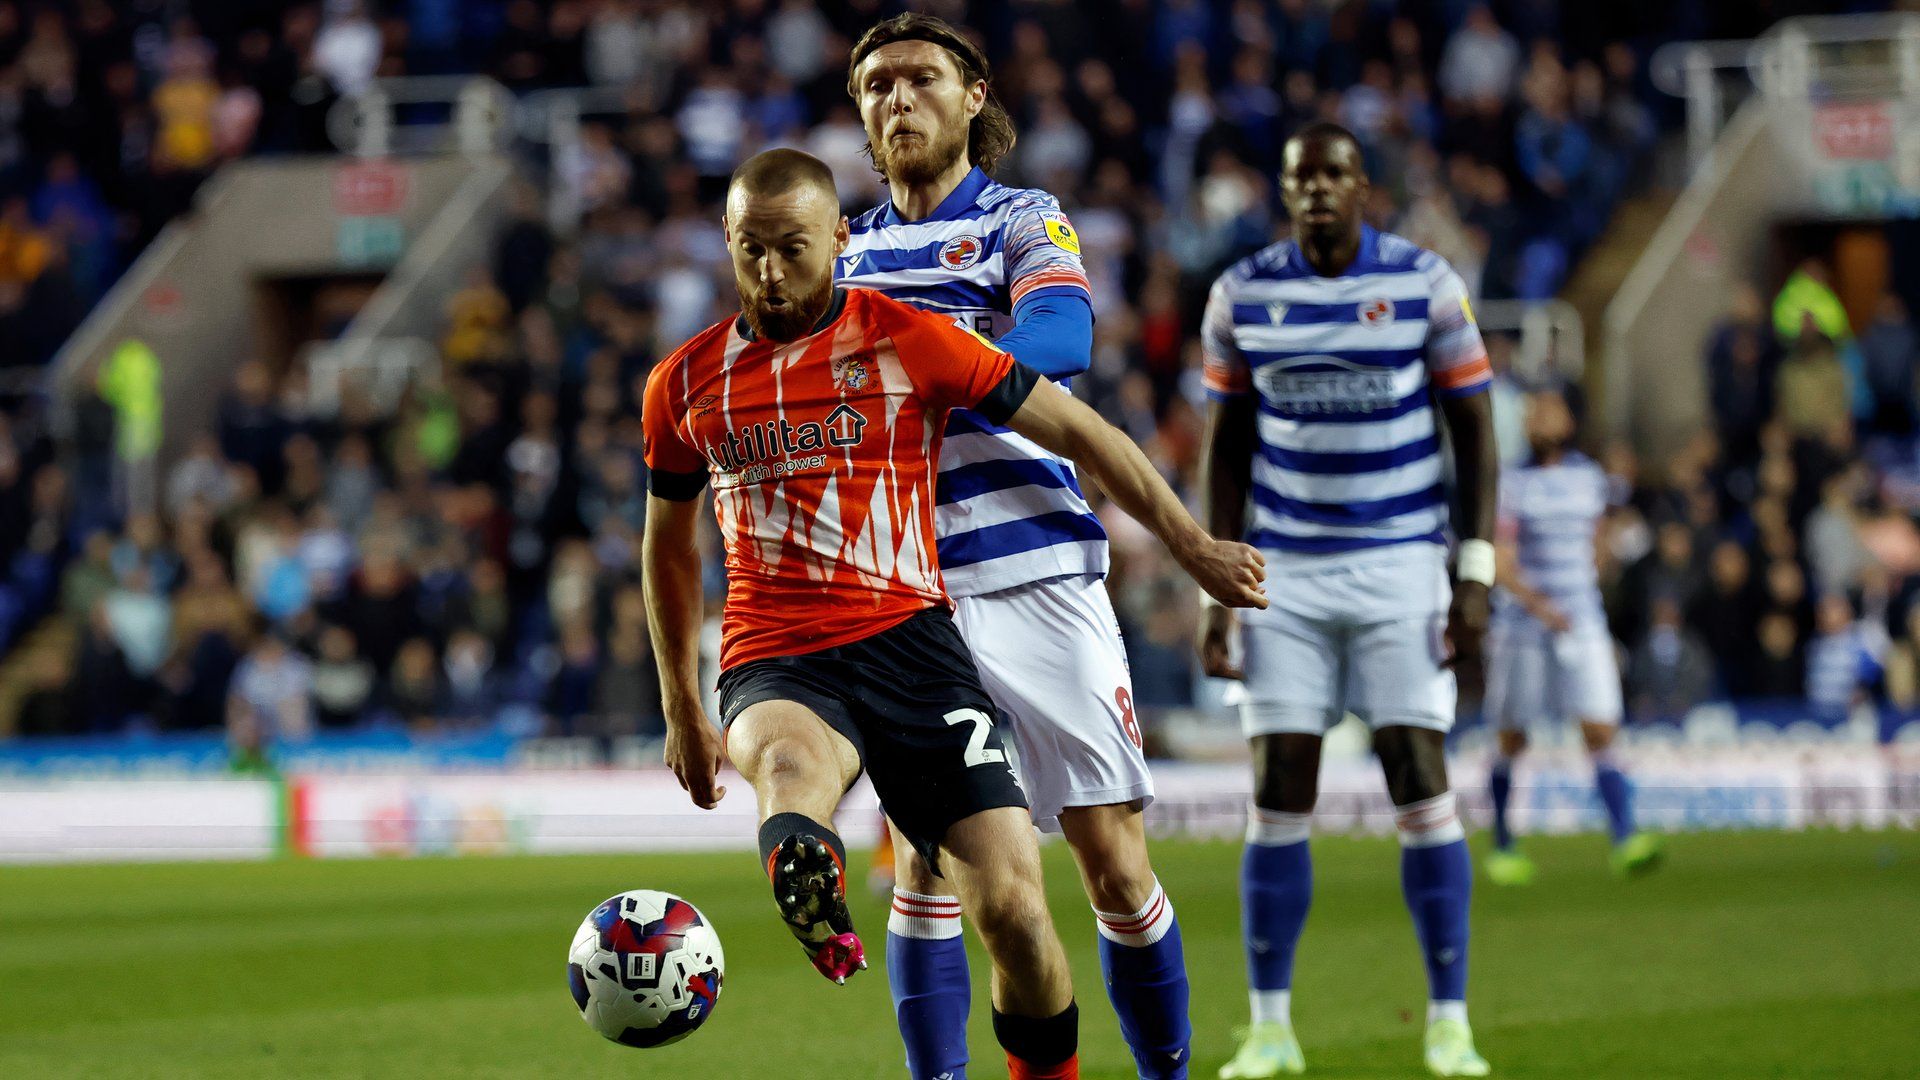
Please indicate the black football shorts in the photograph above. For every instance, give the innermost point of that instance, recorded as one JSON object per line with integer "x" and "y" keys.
{"x": 910, "y": 701}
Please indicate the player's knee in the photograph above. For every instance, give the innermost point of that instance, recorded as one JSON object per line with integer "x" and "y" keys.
{"x": 1414, "y": 761}
{"x": 1286, "y": 773}
{"x": 1598, "y": 737}
{"x": 1111, "y": 848}
{"x": 781, "y": 762}
{"x": 1012, "y": 915}
{"x": 1119, "y": 879}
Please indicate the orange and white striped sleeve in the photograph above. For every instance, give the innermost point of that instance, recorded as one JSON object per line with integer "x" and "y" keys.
{"x": 1456, "y": 357}
{"x": 1224, "y": 371}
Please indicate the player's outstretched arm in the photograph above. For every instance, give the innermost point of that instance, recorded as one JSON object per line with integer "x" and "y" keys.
{"x": 670, "y": 560}
{"x": 1226, "y": 478}
{"x": 1230, "y": 572}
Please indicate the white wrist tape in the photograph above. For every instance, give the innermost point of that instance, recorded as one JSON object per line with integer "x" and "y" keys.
{"x": 1476, "y": 562}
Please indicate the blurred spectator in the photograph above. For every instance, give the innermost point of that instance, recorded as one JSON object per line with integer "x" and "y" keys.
{"x": 470, "y": 692}
{"x": 89, "y": 578}
{"x": 1889, "y": 350}
{"x": 627, "y": 699}
{"x": 141, "y": 619}
{"x": 1742, "y": 356}
{"x": 1811, "y": 396}
{"x": 1480, "y": 60}
{"x": 347, "y": 51}
{"x": 1669, "y": 572}
{"x": 1670, "y": 671}
{"x": 271, "y": 697}
{"x": 342, "y": 681}
{"x": 1779, "y": 671}
{"x": 413, "y": 684}
{"x": 1843, "y": 659}
{"x": 252, "y": 430}
{"x": 51, "y": 705}
{"x": 202, "y": 474}
{"x": 572, "y": 694}
{"x": 184, "y": 105}
{"x": 1808, "y": 297}
{"x": 1833, "y": 546}
{"x": 1725, "y": 614}
{"x": 210, "y": 628}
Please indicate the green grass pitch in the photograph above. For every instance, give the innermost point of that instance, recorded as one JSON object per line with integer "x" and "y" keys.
{"x": 1751, "y": 955}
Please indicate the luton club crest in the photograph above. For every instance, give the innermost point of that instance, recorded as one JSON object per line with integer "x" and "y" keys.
{"x": 852, "y": 372}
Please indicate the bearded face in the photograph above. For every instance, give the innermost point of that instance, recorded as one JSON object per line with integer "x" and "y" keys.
{"x": 783, "y": 246}
{"x": 785, "y": 312}
{"x": 908, "y": 153}
{"x": 916, "y": 107}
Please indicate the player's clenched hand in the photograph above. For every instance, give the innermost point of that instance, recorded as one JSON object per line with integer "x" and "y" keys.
{"x": 1214, "y": 643}
{"x": 1466, "y": 624}
{"x": 1230, "y": 572}
{"x": 694, "y": 751}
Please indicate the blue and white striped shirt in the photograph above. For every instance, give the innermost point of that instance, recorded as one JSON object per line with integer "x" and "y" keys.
{"x": 1344, "y": 369}
{"x": 1550, "y": 514}
{"x": 1007, "y": 512}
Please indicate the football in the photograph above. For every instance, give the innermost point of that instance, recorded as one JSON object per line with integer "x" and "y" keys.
{"x": 645, "y": 968}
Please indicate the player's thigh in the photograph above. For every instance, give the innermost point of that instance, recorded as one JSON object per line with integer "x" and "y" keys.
{"x": 933, "y": 745}
{"x": 1051, "y": 657}
{"x": 993, "y": 859}
{"x": 1293, "y": 661}
{"x": 1589, "y": 676}
{"x": 1396, "y": 670}
{"x": 789, "y": 735}
{"x": 1518, "y": 678}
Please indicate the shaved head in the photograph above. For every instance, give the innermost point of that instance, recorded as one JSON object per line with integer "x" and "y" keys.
{"x": 779, "y": 171}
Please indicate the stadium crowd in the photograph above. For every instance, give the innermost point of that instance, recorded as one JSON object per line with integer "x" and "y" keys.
{"x": 473, "y": 558}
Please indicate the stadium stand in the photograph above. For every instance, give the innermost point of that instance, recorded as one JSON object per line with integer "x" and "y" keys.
{"x": 304, "y": 559}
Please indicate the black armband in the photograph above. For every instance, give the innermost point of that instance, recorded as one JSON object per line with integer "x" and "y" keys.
{"x": 677, "y": 486}
{"x": 1008, "y": 394}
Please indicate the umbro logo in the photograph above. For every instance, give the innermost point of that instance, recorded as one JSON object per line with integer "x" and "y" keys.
{"x": 1277, "y": 312}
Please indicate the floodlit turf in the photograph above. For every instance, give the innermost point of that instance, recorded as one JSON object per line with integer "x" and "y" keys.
{"x": 1750, "y": 956}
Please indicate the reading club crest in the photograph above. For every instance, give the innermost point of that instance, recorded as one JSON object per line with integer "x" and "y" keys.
{"x": 1375, "y": 314}
{"x": 850, "y": 372}
{"x": 961, "y": 252}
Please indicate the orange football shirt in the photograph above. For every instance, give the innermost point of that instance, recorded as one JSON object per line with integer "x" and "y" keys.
{"x": 822, "y": 456}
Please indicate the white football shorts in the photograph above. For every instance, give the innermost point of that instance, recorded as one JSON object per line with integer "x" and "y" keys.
{"x": 1359, "y": 631}
{"x": 1534, "y": 675}
{"x": 1050, "y": 656}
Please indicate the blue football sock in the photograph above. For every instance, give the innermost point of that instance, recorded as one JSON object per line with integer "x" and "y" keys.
{"x": 1436, "y": 873}
{"x": 1616, "y": 794}
{"x": 1146, "y": 973}
{"x": 1500, "y": 786}
{"x": 1276, "y": 889}
{"x": 932, "y": 991}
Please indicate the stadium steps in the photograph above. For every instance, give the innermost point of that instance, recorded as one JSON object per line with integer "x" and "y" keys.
{"x": 1607, "y": 265}
{"x": 54, "y": 634}
{"x": 236, "y": 277}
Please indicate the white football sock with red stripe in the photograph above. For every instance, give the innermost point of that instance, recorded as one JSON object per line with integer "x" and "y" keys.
{"x": 1143, "y": 927}
{"x": 926, "y": 918}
